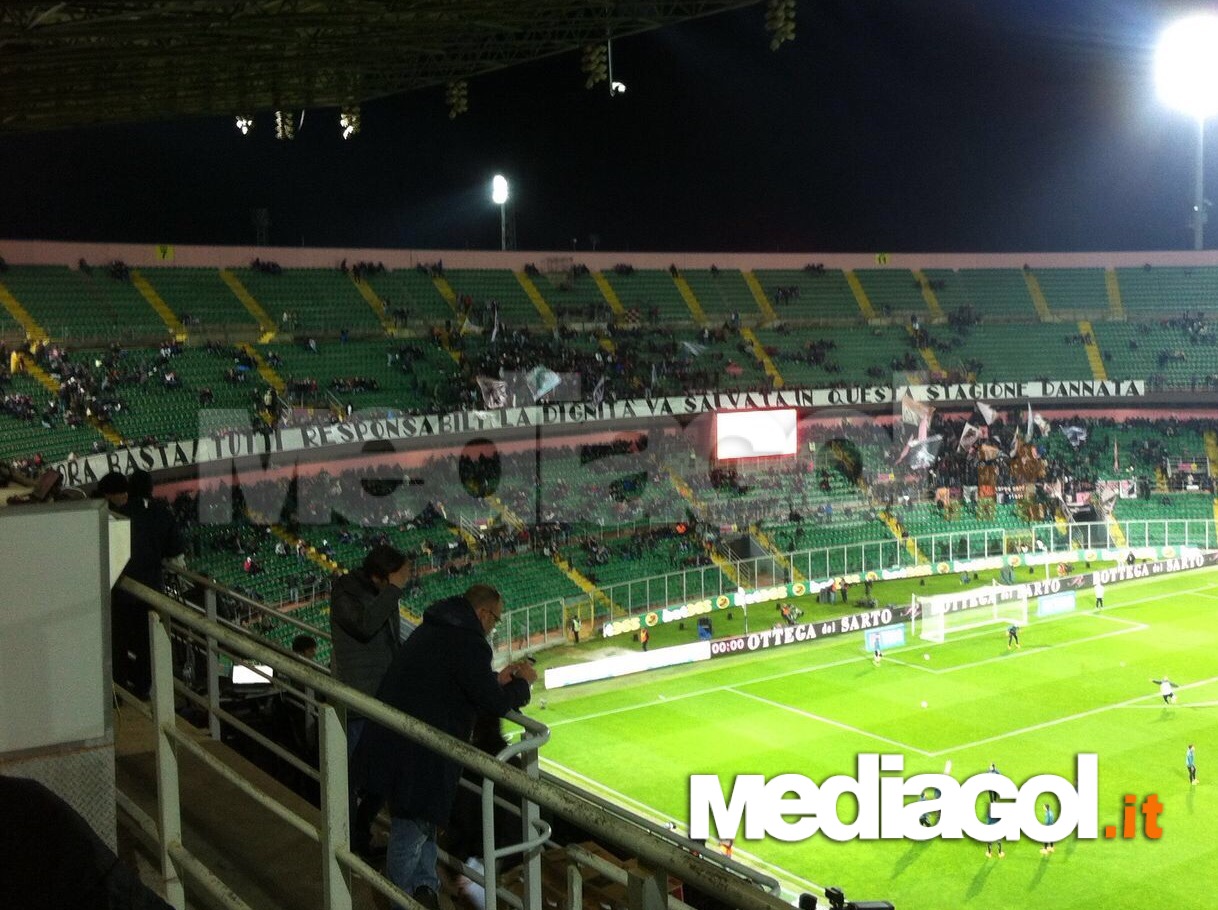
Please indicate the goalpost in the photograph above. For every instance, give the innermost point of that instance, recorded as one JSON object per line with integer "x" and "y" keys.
{"x": 941, "y": 614}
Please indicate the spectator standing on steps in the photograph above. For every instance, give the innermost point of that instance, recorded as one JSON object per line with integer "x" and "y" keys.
{"x": 367, "y": 629}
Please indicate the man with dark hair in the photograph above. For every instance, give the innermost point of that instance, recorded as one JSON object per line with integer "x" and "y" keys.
{"x": 366, "y": 631}
{"x": 442, "y": 676}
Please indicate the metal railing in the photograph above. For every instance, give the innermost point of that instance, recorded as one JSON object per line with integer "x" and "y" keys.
{"x": 179, "y": 628}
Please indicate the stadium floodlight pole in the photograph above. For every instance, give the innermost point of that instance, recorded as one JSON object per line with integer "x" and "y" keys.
{"x": 499, "y": 196}
{"x": 1186, "y": 73}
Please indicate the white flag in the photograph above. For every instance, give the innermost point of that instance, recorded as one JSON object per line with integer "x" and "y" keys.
{"x": 987, "y": 412}
{"x": 598, "y": 393}
{"x": 494, "y": 391}
{"x": 969, "y": 435}
{"x": 541, "y": 380}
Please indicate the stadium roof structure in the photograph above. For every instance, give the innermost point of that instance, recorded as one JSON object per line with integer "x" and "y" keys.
{"x": 76, "y": 64}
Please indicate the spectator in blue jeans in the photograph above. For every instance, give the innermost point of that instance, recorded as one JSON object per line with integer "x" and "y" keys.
{"x": 442, "y": 675}
{"x": 367, "y": 630}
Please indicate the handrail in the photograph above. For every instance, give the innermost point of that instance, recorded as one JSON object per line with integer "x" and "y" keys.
{"x": 567, "y": 804}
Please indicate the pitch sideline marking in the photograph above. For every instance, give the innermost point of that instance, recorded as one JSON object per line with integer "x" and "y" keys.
{"x": 1129, "y": 702}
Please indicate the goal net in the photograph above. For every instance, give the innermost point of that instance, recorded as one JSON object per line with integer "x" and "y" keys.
{"x": 944, "y": 614}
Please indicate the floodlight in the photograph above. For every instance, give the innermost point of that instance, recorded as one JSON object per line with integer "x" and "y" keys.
{"x": 1186, "y": 65}
{"x": 617, "y": 88}
{"x": 499, "y": 189}
{"x": 245, "y": 124}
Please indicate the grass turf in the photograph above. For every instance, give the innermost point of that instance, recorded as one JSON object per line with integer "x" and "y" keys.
{"x": 1081, "y": 683}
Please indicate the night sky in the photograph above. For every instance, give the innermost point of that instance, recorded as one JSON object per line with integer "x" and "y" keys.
{"x": 921, "y": 125}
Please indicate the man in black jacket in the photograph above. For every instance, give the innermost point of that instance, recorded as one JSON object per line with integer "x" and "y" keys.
{"x": 366, "y": 629}
{"x": 442, "y": 675}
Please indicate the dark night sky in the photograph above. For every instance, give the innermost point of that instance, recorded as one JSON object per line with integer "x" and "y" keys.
{"x": 923, "y": 125}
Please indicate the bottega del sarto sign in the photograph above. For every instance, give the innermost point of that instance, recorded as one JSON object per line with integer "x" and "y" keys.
{"x": 780, "y": 636}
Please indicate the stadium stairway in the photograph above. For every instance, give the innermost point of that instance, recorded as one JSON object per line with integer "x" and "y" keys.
{"x": 762, "y": 357}
{"x": 539, "y": 302}
{"x": 168, "y": 316}
{"x": 763, "y": 302}
{"x": 609, "y": 294}
{"x": 1211, "y": 453}
{"x": 928, "y": 294}
{"x": 446, "y": 342}
{"x": 311, "y": 552}
{"x": 512, "y": 519}
{"x": 1038, "y": 297}
{"x": 273, "y": 379}
{"x": 581, "y": 581}
{"x": 1094, "y": 356}
{"x": 691, "y": 300}
{"x": 770, "y": 547}
{"x": 33, "y": 330}
{"x": 928, "y": 355}
{"x": 446, "y": 291}
{"x": 378, "y": 305}
{"x": 898, "y": 532}
{"x": 265, "y": 322}
{"x": 1116, "y": 308}
{"x": 51, "y": 384}
{"x": 860, "y": 296}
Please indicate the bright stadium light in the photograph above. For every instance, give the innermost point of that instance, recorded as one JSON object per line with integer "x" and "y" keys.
{"x": 499, "y": 196}
{"x": 1186, "y": 73}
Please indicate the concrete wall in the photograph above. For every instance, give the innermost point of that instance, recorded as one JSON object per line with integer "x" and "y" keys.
{"x": 36, "y": 252}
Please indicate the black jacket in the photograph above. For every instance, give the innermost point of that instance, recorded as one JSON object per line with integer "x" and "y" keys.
{"x": 442, "y": 675}
{"x": 365, "y": 627}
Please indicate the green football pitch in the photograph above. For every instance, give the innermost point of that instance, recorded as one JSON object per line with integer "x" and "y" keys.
{"x": 1080, "y": 683}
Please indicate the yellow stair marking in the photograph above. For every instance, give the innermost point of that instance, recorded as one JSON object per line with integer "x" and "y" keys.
{"x": 51, "y": 384}
{"x": 446, "y": 291}
{"x": 608, "y": 345}
{"x": 1038, "y": 296}
{"x": 928, "y": 355}
{"x": 447, "y": 344}
{"x": 311, "y": 553}
{"x": 764, "y": 539}
{"x": 762, "y": 357}
{"x": 1211, "y": 451}
{"x": 33, "y": 330}
{"x": 928, "y": 294}
{"x": 1116, "y": 308}
{"x": 687, "y": 294}
{"x": 726, "y": 567}
{"x": 470, "y": 540}
{"x": 898, "y": 531}
{"x": 148, "y": 292}
{"x": 512, "y": 519}
{"x": 860, "y": 296}
{"x": 273, "y": 379}
{"x": 1094, "y": 357}
{"x": 543, "y": 308}
{"x": 46, "y": 379}
{"x": 609, "y": 294}
{"x": 265, "y": 322}
{"x": 1115, "y": 532}
{"x": 585, "y": 584}
{"x": 378, "y": 305}
{"x": 1161, "y": 480}
{"x": 763, "y": 302}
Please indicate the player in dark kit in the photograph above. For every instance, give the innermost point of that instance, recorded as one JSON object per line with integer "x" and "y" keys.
{"x": 1013, "y": 637}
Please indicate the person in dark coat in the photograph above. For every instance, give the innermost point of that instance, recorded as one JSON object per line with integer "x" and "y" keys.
{"x": 366, "y": 631}
{"x": 154, "y": 538}
{"x": 442, "y": 675}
